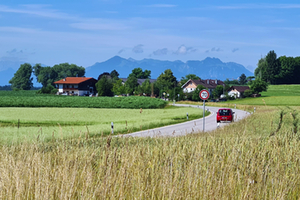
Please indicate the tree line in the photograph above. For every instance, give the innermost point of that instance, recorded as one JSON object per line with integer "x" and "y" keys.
{"x": 282, "y": 70}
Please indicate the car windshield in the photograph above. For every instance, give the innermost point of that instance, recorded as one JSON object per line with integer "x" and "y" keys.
{"x": 224, "y": 112}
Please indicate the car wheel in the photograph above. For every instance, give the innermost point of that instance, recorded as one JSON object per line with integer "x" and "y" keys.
{"x": 218, "y": 121}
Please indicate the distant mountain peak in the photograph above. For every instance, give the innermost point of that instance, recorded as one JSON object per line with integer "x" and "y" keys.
{"x": 212, "y": 68}
{"x": 212, "y": 60}
{"x": 131, "y": 59}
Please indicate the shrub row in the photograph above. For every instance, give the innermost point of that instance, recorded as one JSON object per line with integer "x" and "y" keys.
{"x": 133, "y": 102}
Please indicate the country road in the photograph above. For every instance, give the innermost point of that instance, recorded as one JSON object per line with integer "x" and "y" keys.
{"x": 190, "y": 126}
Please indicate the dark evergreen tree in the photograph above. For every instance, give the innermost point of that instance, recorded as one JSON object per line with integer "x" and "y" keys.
{"x": 242, "y": 79}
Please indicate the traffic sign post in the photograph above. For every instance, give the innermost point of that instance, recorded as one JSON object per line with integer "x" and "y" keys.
{"x": 204, "y": 95}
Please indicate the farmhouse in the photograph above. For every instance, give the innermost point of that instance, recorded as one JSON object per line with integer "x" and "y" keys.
{"x": 210, "y": 84}
{"x": 237, "y": 91}
{"x": 76, "y": 86}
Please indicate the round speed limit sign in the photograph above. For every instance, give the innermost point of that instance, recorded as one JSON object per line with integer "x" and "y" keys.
{"x": 204, "y": 94}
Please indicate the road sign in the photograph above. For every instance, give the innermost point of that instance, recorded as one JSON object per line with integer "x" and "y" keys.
{"x": 204, "y": 94}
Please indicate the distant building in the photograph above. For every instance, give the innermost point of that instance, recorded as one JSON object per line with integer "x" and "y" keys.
{"x": 237, "y": 91}
{"x": 210, "y": 84}
{"x": 76, "y": 86}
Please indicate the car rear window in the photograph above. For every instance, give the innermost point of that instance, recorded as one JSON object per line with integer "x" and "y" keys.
{"x": 224, "y": 112}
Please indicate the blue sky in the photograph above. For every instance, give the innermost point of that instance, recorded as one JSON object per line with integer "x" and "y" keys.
{"x": 85, "y": 32}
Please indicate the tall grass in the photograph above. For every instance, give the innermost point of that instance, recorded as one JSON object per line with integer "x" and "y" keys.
{"x": 247, "y": 160}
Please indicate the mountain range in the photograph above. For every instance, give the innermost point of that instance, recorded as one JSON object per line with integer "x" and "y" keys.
{"x": 209, "y": 68}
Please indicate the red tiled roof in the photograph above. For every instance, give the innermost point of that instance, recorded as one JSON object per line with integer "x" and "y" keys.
{"x": 72, "y": 80}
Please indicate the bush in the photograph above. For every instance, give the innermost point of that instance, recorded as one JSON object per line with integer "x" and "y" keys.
{"x": 248, "y": 93}
{"x": 48, "y": 90}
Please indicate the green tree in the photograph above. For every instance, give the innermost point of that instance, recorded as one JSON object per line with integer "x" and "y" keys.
{"x": 273, "y": 67}
{"x": 229, "y": 82}
{"x": 188, "y": 77}
{"x": 218, "y": 91}
{"x": 242, "y": 79}
{"x": 261, "y": 70}
{"x": 48, "y": 75}
{"x": 287, "y": 73}
{"x": 104, "y": 87}
{"x": 119, "y": 87}
{"x": 195, "y": 93}
{"x": 139, "y": 73}
{"x": 131, "y": 84}
{"x": 258, "y": 86}
{"x": 145, "y": 88}
{"x": 114, "y": 74}
{"x": 22, "y": 78}
{"x": 166, "y": 81}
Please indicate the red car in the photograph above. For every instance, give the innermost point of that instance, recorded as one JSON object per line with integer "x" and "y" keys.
{"x": 225, "y": 114}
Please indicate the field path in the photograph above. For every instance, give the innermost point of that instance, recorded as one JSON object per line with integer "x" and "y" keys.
{"x": 190, "y": 126}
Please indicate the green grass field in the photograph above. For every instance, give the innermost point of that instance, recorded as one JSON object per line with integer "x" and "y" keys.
{"x": 276, "y": 95}
{"x": 46, "y": 123}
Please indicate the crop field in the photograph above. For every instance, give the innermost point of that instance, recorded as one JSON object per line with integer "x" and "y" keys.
{"x": 18, "y": 124}
{"x": 30, "y": 99}
{"x": 256, "y": 158}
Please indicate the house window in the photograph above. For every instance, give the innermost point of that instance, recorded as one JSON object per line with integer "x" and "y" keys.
{"x": 191, "y": 83}
{"x": 75, "y": 86}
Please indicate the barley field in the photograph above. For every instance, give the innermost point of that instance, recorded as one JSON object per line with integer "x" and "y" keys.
{"x": 256, "y": 158}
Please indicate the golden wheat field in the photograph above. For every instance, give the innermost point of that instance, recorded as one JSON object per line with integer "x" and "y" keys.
{"x": 256, "y": 158}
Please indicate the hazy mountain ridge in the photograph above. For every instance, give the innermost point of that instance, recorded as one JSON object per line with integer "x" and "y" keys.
{"x": 212, "y": 68}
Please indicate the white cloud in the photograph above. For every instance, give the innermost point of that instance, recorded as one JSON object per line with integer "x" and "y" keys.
{"x": 182, "y": 50}
{"x": 235, "y": 49}
{"x": 138, "y": 49}
{"x": 13, "y": 58}
{"x": 121, "y": 51}
{"x": 217, "y": 49}
{"x": 159, "y": 52}
{"x": 36, "y": 9}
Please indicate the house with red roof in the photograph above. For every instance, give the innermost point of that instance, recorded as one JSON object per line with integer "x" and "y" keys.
{"x": 80, "y": 86}
{"x": 210, "y": 84}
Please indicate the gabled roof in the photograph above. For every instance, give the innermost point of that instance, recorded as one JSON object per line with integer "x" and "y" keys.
{"x": 239, "y": 88}
{"x": 208, "y": 83}
{"x": 73, "y": 80}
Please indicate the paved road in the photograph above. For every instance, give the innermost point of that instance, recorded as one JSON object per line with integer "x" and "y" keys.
{"x": 190, "y": 126}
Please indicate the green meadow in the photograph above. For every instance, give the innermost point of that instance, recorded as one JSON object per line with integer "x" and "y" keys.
{"x": 276, "y": 95}
{"x": 19, "y": 124}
